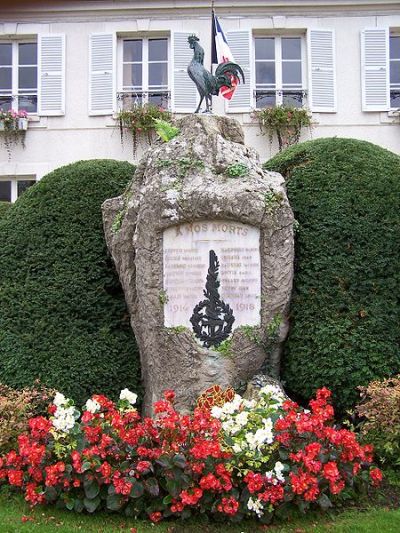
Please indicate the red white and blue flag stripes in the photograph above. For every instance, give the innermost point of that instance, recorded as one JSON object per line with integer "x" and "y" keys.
{"x": 221, "y": 53}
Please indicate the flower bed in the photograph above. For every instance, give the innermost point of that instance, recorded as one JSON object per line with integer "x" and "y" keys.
{"x": 244, "y": 458}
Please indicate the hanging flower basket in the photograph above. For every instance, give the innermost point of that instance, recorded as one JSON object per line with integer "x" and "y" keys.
{"x": 13, "y": 126}
{"x": 140, "y": 122}
{"x": 283, "y": 122}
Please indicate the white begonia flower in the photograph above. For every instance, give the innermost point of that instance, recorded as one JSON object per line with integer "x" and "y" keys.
{"x": 236, "y": 448}
{"x": 59, "y": 399}
{"x": 237, "y": 401}
{"x": 273, "y": 390}
{"x": 268, "y": 424}
{"x": 256, "y": 506}
{"x": 249, "y": 404}
{"x": 263, "y": 436}
{"x": 251, "y": 440}
{"x": 126, "y": 394}
{"x": 279, "y": 467}
{"x": 228, "y": 408}
{"x": 229, "y": 425}
{"x": 242, "y": 418}
{"x": 216, "y": 411}
{"x": 64, "y": 412}
{"x": 64, "y": 424}
{"x": 92, "y": 406}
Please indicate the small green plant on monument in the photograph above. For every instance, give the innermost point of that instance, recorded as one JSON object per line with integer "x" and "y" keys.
{"x": 237, "y": 170}
{"x": 283, "y": 122}
{"x": 143, "y": 121}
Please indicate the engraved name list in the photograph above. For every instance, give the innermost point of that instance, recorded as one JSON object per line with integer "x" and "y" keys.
{"x": 186, "y": 249}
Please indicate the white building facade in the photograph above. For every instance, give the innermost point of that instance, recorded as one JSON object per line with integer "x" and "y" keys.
{"x": 72, "y": 65}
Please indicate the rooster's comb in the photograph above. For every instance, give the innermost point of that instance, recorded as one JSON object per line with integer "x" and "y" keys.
{"x": 192, "y": 39}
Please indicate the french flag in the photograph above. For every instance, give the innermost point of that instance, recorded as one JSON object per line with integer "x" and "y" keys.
{"x": 221, "y": 53}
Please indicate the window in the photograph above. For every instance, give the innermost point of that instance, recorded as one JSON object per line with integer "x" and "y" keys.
{"x": 144, "y": 74}
{"x": 394, "y": 54}
{"x": 18, "y": 76}
{"x": 279, "y": 71}
{"x": 11, "y": 188}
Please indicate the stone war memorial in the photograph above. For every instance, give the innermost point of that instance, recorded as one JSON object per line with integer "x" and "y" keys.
{"x": 202, "y": 240}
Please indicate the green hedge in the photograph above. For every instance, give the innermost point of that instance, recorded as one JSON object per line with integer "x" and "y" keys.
{"x": 63, "y": 317}
{"x": 345, "y": 313}
{"x": 4, "y": 206}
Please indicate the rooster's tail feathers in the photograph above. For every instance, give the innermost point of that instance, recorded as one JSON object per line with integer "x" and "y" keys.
{"x": 230, "y": 68}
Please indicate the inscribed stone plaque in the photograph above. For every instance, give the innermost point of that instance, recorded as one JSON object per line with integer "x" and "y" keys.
{"x": 186, "y": 250}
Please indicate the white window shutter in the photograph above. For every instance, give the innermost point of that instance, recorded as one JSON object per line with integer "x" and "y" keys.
{"x": 375, "y": 69}
{"x": 184, "y": 92}
{"x": 240, "y": 44}
{"x": 102, "y": 74}
{"x": 51, "y": 88}
{"x": 322, "y": 70}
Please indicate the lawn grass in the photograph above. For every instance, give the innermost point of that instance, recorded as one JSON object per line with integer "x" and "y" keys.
{"x": 52, "y": 520}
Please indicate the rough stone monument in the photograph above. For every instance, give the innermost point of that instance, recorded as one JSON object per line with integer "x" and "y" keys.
{"x": 203, "y": 244}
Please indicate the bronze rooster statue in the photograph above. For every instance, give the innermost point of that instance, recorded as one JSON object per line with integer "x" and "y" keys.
{"x": 208, "y": 84}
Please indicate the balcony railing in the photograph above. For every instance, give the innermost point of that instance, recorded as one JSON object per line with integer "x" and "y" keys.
{"x": 127, "y": 99}
{"x": 273, "y": 97}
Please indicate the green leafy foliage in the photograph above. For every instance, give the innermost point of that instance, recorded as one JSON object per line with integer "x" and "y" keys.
{"x": 4, "y": 207}
{"x": 63, "y": 317}
{"x": 165, "y": 130}
{"x": 345, "y": 315}
{"x": 237, "y": 170}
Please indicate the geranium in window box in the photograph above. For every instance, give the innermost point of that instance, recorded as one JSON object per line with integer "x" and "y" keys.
{"x": 284, "y": 122}
{"x": 141, "y": 122}
{"x": 13, "y": 126}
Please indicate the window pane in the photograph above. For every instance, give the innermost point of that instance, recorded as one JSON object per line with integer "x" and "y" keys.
{"x": 265, "y": 72}
{"x": 158, "y": 50}
{"x": 5, "y": 78}
{"x": 158, "y": 74}
{"x": 27, "y": 54}
{"x": 132, "y": 76}
{"x": 133, "y": 50}
{"x": 265, "y": 99}
{"x": 5, "y": 191}
{"x": 395, "y": 47}
{"x": 5, "y": 102}
{"x": 27, "y": 77}
{"x": 28, "y": 103}
{"x": 291, "y": 48}
{"x": 159, "y": 99}
{"x": 291, "y": 72}
{"x": 294, "y": 99}
{"x": 130, "y": 100}
{"x": 395, "y": 98}
{"x": 23, "y": 185}
{"x": 5, "y": 54}
{"x": 395, "y": 72}
{"x": 265, "y": 48}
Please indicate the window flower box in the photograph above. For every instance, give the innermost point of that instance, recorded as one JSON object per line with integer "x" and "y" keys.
{"x": 13, "y": 126}
{"x": 22, "y": 123}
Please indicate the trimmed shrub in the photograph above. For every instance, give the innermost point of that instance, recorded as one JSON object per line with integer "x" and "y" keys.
{"x": 345, "y": 314}
{"x": 4, "y": 206}
{"x": 63, "y": 317}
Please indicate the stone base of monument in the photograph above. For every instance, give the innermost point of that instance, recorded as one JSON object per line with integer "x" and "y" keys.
{"x": 203, "y": 244}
